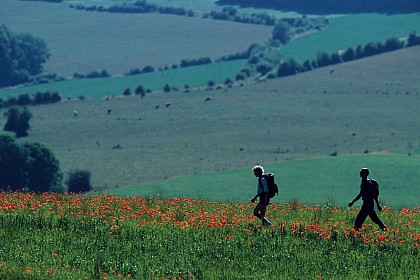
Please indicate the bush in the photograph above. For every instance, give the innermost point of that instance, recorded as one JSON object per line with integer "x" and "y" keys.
{"x": 18, "y": 121}
{"x": 78, "y": 181}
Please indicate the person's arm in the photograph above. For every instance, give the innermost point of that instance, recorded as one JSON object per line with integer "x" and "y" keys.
{"x": 355, "y": 199}
{"x": 255, "y": 197}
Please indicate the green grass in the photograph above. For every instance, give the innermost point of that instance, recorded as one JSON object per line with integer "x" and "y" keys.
{"x": 327, "y": 180}
{"x": 351, "y": 31}
{"x": 48, "y": 236}
{"x": 370, "y": 104}
{"x": 83, "y": 42}
{"x": 98, "y": 88}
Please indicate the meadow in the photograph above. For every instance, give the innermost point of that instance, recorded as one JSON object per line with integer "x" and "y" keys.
{"x": 365, "y": 107}
{"x": 66, "y": 236}
{"x": 83, "y": 42}
{"x": 347, "y": 31}
{"x": 326, "y": 180}
{"x": 99, "y": 88}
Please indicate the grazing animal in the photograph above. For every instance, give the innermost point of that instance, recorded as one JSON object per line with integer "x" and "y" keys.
{"x": 168, "y": 104}
{"x": 208, "y": 98}
{"x": 75, "y": 113}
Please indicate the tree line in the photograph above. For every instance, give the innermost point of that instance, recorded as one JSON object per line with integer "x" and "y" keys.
{"x": 25, "y": 99}
{"x": 289, "y": 66}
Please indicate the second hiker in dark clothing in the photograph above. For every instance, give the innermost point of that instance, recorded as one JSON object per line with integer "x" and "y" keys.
{"x": 262, "y": 194}
{"x": 369, "y": 191}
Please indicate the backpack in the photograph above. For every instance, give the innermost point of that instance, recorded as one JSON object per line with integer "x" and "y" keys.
{"x": 374, "y": 187}
{"x": 272, "y": 186}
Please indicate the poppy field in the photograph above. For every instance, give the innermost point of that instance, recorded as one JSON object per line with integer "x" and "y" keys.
{"x": 68, "y": 236}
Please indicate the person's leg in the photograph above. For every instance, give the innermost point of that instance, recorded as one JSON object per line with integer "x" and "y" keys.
{"x": 374, "y": 217}
{"x": 360, "y": 218}
{"x": 259, "y": 211}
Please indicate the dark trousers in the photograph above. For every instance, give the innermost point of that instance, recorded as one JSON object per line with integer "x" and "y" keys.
{"x": 259, "y": 210}
{"x": 368, "y": 210}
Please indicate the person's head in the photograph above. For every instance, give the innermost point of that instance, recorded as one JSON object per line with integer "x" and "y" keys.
{"x": 364, "y": 172}
{"x": 258, "y": 170}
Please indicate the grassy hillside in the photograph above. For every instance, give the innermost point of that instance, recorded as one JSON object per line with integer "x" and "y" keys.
{"x": 350, "y": 31}
{"x": 369, "y": 105}
{"x": 323, "y": 180}
{"x": 64, "y": 236}
{"x": 86, "y": 41}
{"x": 98, "y": 88}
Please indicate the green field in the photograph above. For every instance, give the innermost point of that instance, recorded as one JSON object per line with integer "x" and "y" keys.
{"x": 63, "y": 236}
{"x": 350, "y": 31}
{"x": 291, "y": 124}
{"x": 370, "y": 105}
{"x": 326, "y": 180}
{"x": 98, "y": 88}
{"x": 83, "y": 42}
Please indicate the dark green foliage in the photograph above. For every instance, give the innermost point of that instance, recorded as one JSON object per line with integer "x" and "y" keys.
{"x": 45, "y": 98}
{"x": 13, "y": 164}
{"x": 140, "y": 90}
{"x": 194, "y": 62}
{"x": 393, "y": 44}
{"x": 289, "y": 67}
{"x": 79, "y": 181}
{"x": 29, "y": 166}
{"x": 281, "y": 32}
{"x": 18, "y": 120}
{"x": 166, "y": 88}
{"x": 21, "y": 57}
{"x": 264, "y": 67}
{"x": 43, "y": 171}
{"x": 127, "y": 92}
{"x": 349, "y": 55}
{"x": 413, "y": 39}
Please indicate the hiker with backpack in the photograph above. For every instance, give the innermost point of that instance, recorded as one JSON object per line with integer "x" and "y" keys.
{"x": 369, "y": 192}
{"x": 266, "y": 189}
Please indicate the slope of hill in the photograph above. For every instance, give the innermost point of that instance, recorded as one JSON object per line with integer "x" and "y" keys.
{"x": 86, "y": 41}
{"x": 370, "y": 104}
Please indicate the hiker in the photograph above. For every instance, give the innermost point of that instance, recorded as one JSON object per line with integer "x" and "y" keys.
{"x": 262, "y": 194}
{"x": 369, "y": 191}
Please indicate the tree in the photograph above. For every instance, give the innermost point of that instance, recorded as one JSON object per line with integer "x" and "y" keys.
{"x": 281, "y": 32}
{"x": 166, "y": 88}
{"x": 127, "y": 92}
{"x": 393, "y": 44}
{"x": 43, "y": 170}
{"x": 18, "y": 120}
{"x": 140, "y": 90}
{"x": 349, "y": 55}
{"x": 29, "y": 166}
{"x": 21, "y": 57}
{"x": 413, "y": 39}
{"x": 79, "y": 181}
{"x": 13, "y": 164}
{"x": 289, "y": 67}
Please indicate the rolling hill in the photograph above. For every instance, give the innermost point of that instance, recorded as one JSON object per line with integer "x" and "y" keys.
{"x": 365, "y": 106}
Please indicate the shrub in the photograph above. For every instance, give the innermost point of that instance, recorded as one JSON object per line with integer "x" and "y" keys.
{"x": 79, "y": 181}
{"x": 18, "y": 121}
